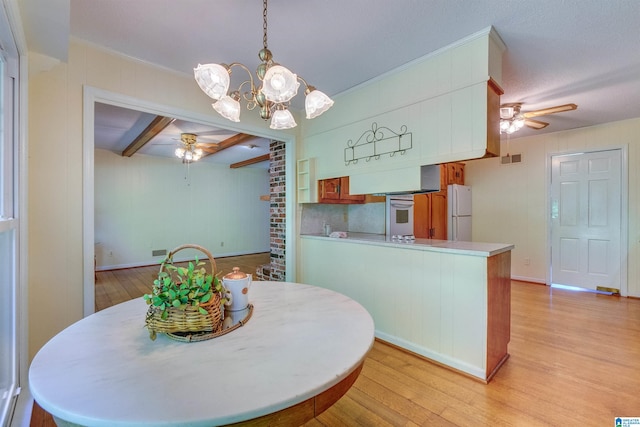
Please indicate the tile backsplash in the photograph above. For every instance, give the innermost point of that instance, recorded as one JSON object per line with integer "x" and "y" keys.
{"x": 366, "y": 218}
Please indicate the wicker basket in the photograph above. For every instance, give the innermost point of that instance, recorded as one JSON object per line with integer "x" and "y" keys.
{"x": 189, "y": 319}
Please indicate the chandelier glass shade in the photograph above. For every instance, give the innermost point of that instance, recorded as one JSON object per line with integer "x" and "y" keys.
{"x": 271, "y": 96}
{"x": 228, "y": 107}
{"x": 282, "y": 119}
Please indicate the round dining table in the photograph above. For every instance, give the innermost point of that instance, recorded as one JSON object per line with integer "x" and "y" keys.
{"x": 299, "y": 351}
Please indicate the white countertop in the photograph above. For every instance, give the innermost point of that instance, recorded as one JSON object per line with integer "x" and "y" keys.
{"x": 449, "y": 246}
{"x": 105, "y": 371}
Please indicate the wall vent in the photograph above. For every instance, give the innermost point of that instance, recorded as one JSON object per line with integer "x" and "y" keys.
{"x": 510, "y": 158}
{"x": 159, "y": 252}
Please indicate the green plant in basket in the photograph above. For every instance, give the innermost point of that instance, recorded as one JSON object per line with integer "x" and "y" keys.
{"x": 179, "y": 287}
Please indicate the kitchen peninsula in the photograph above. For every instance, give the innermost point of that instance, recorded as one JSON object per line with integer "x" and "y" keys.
{"x": 447, "y": 301}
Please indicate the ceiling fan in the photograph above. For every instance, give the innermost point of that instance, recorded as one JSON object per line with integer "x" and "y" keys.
{"x": 191, "y": 150}
{"x": 512, "y": 118}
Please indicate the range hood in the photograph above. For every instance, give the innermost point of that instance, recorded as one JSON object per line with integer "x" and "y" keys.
{"x": 429, "y": 181}
{"x": 399, "y": 180}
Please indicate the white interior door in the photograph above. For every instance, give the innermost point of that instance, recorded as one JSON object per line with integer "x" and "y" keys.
{"x": 586, "y": 201}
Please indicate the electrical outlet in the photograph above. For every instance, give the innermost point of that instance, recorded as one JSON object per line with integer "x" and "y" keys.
{"x": 527, "y": 261}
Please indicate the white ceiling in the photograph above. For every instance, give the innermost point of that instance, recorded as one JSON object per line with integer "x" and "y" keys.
{"x": 116, "y": 127}
{"x": 572, "y": 51}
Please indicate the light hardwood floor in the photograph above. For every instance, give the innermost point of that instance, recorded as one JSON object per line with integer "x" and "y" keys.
{"x": 575, "y": 360}
{"x": 116, "y": 286}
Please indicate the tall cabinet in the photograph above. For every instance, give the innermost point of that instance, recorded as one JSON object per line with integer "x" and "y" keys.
{"x": 430, "y": 210}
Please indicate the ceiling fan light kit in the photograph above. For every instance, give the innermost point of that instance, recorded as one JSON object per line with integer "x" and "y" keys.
{"x": 278, "y": 86}
{"x": 189, "y": 152}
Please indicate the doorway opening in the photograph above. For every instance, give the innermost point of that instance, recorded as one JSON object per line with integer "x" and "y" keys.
{"x": 93, "y": 95}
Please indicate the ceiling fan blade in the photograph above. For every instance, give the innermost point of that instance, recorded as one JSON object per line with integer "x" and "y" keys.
{"x": 208, "y": 149}
{"x": 550, "y": 110}
{"x": 535, "y": 124}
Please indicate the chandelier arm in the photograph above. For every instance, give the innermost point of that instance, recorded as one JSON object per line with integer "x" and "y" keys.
{"x": 250, "y": 96}
{"x": 233, "y": 64}
{"x": 308, "y": 87}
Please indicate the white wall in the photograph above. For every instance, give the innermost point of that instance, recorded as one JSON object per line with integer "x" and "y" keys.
{"x": 510, "y": 201}
{"x": 143, "y": 203}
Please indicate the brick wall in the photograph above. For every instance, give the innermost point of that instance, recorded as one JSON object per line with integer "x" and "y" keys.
{"x": 277, "y": 223}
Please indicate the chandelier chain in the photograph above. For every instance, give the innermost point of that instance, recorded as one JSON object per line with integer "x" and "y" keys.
{"x": 264, "y": 24}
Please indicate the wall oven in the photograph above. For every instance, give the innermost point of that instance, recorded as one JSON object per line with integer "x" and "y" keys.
{"x": 399, "y": 213}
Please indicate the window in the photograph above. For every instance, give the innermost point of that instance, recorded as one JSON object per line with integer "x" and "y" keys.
{"x": 9, "y": 337}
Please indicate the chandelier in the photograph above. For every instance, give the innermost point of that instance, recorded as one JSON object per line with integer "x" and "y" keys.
{"x": 277, "y": 87}
{"x": 188, "y": 153}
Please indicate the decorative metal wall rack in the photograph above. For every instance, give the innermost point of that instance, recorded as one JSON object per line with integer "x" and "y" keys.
{"x": 376, "y": 142}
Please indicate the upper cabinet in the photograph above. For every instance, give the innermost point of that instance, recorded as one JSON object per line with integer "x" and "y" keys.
{"x": 454, "y": 174}
{"x": 441, "y": 108}
{"x": 336, "y": 190}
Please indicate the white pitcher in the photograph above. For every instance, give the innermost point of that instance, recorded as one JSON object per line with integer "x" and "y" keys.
{"x": 238, "y": 284}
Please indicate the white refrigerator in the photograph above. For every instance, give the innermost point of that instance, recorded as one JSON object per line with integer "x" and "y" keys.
{"x": 459, "y": 212}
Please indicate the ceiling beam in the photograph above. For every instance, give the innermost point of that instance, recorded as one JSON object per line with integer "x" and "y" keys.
{"x": 229, "y": 142}
{"x": 156, "y": 126}
{"x": 250, "y": 161}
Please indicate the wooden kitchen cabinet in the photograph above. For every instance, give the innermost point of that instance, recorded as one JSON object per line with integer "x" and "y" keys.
{"x": 493, "y": 118}
{"x": 430, "y": 210}
{"x": 336, "y": 190}
{"x": 455, "y": 173}
{"x": 430, "y": 215}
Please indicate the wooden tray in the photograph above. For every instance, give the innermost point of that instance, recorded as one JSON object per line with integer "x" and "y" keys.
{"x": 206, "y": 335}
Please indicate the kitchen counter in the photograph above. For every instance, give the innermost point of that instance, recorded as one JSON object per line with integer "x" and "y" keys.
{"x": 447, "y": 301}
{"x": 449, "y": 246}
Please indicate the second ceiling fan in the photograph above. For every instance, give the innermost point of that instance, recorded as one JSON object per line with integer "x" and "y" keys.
{"x": 513, "y": 119}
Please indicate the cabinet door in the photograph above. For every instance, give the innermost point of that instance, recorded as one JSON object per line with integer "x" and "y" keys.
{"x": 455, "y": 173}
{"x": 459, "y": 173}
{"x": 444, "y": 176}
{"x": 344, "y": 191}
{"x": 329, "y": 190}
{"x": 438, "y": 205}
{"x": 421, "y": 216}
{"x": 430, "y": 215}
